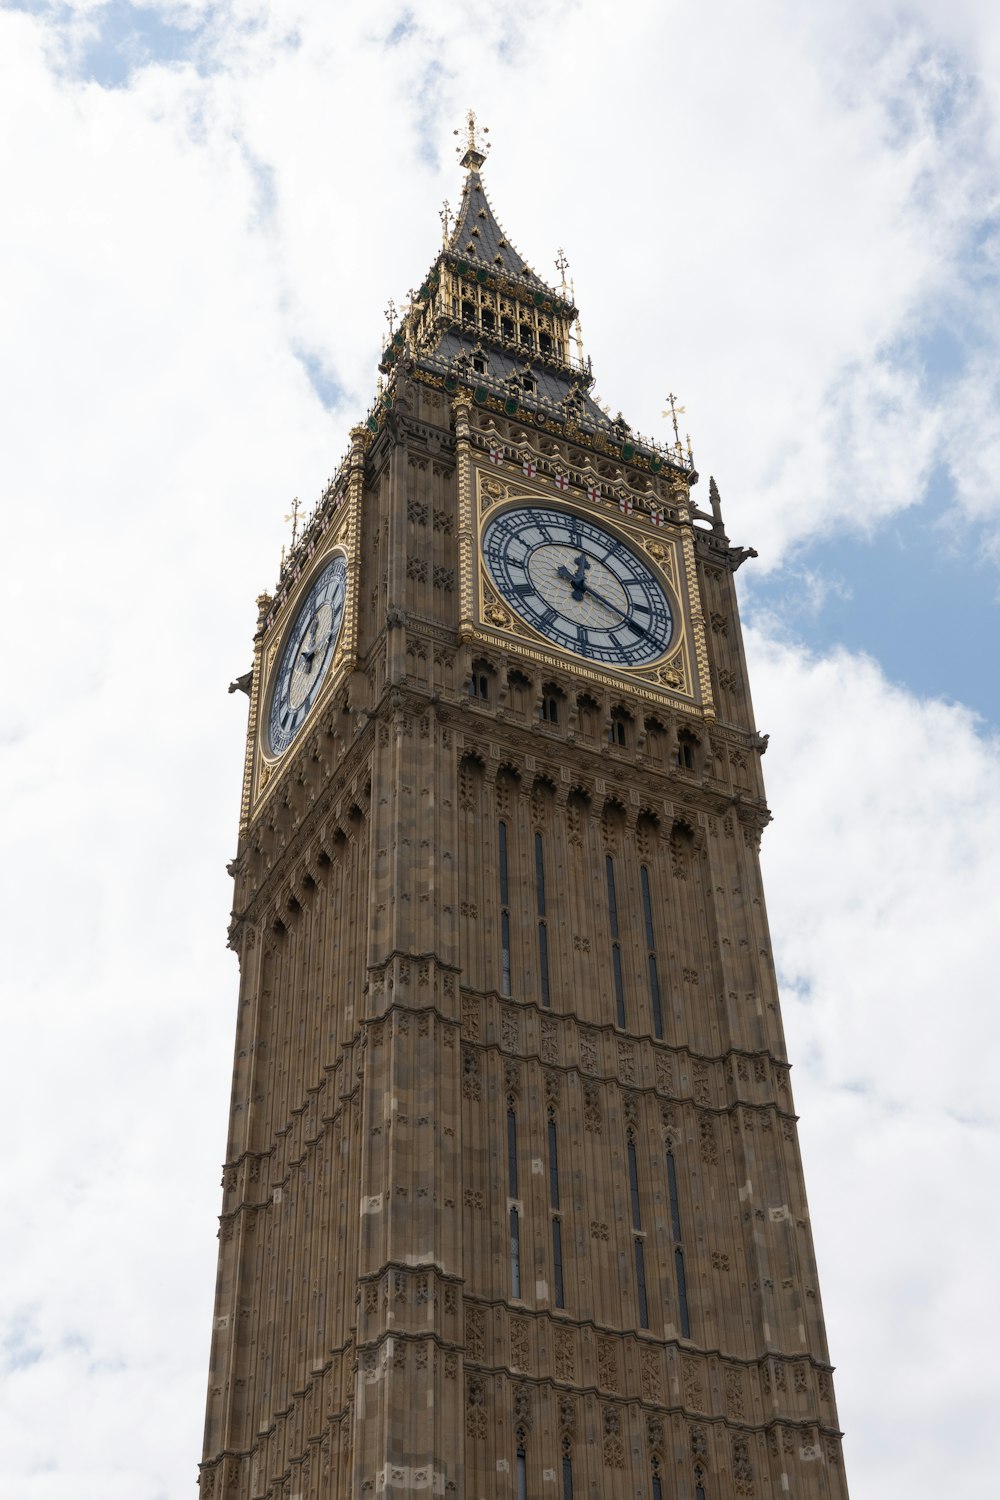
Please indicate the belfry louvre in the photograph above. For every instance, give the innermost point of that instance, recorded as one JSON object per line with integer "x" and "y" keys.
{"x": 513, "y": 1201}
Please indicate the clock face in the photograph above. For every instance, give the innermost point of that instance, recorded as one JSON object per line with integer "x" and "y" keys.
{"x": 578, "y": 585}
{"x": 308, "y": 653}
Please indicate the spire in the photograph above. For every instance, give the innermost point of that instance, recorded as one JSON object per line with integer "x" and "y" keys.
{"x": 473, "y": 157}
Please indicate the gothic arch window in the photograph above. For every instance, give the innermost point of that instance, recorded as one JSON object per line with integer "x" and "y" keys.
{"x": 656, "y": 741}
{"x": 567, "y": 1469}
{"x": 481, "y": 681}
{"x": 551, "y": 708}
{"x": 588, "y": 713}
{"x": 522, "y": 1464}
{"x": 688, "y": 748}
{"x": 620, "y": 729}
{"x": 519, "y": 690}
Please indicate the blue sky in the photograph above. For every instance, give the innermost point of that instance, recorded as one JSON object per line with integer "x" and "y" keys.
{"x": 920, "y": 596}
{"x": 786, "y": 214}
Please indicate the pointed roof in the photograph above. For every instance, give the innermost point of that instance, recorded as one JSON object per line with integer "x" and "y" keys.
{"x": 498, "y": 328}
{"x": 479, "y": 236}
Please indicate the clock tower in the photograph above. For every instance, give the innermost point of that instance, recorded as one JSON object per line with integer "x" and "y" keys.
{"x": 513, "y": 1202}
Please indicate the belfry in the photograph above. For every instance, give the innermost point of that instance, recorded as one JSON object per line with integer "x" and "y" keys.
{"x": 513, "y": 1201}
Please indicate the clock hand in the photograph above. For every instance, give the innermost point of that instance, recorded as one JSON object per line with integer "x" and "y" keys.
{"x": 632, "y": 624}
{"x": 575, "y": 580}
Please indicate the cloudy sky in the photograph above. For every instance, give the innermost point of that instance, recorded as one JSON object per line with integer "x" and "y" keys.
{"x": 786, "y": 213}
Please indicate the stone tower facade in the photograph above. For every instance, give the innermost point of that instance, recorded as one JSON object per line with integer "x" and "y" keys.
{"x": 513, "y": 1202}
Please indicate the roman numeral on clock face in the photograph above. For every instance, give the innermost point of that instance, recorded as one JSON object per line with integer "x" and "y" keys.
{"x": 579, "y": 585}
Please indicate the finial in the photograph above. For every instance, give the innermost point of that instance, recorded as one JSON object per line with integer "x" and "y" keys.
{"x": 293, "y": 516}
{"x": 675, "y": 412}
{"x": 474, "y": 155}
{"x": 390, "y": 316}
{"x": 562, "y": 266}
{"x": 687, "y": 438}
{"x": 445, "y": 217}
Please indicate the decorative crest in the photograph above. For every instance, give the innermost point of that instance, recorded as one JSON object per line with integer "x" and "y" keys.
{"x": 390, "y": 317}
{"x": 474, "y": 155}
{"x": 445, "y": 217}
{"x": 562, "y": 266}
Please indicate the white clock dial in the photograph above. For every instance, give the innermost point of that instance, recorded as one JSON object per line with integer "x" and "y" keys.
{"x": 578, "y": 585}
{"x": 307, "y": 655}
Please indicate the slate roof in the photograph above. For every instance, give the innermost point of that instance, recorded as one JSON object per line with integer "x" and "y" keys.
{"x": 478, "y": 236}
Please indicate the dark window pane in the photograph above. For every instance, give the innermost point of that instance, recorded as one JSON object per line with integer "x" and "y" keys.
{"x": 640, "y": 1284}
{"x": 682, "y": 1296}
{"x": 515, "y": 1254}
{"x": 647, "y": 907}
{"x": 567, "y": 1471}
{"x": 675, "y": 1209}
{"x": 609, "y": 866}
{"x": 503, "y": 864}
{"x": 540, "y": 874}
{"x": 616, "y": 963}
{"x": 633, "y": 1185}
{"x": 553, "y": 1165}
{"x": 505, "y": 952}
{"x": 511, "y": 1154}
{"x": 522, "y": 1476}
{"x": 557, "y": 1263}
{"x": 543, "y": 961}
{"x": 654, "y": 998}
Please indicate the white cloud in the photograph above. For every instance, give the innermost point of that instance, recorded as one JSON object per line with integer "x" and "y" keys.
{"x": 882, "y": 870}
{"x": 763, "y": 209}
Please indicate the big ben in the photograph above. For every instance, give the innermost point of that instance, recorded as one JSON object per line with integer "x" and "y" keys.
{"x": 513, "y": 1201}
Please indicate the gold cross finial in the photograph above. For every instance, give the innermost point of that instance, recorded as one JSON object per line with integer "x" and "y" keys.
{"x": 390, "y": 317}
{"x": 293, "y": 516}
{"x": 675, "y": 412}
{"x": 445, "y": 217}
{"x": 562, "y": 266}
{"x": 474, "y": 155}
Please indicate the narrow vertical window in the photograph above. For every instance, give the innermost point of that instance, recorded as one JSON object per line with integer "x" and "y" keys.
{"x": 543, "y": 926}
{"x": 654, "y": 978}
{"x": 657, "y": 1484}
{"x": 699, "y": 1492}
{"x": 640, "y": 1249}
{"x": 515, "y": 1254}
{"x": 567, "y": 1470}
{"x": 633, "y": 1186}
{"x": 675, "y": 1227}
{"x": 557, "y": 1256}
{"x": 522, "y": 1466}
{"x": 616, "y": 947}
{"x": 504, "y": 913}
{"x": 553, "y": 1166}
{"x": 640, "y": 1284}
{"x": 557, "y": 1263}
{"x": 515, "y": 1221}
